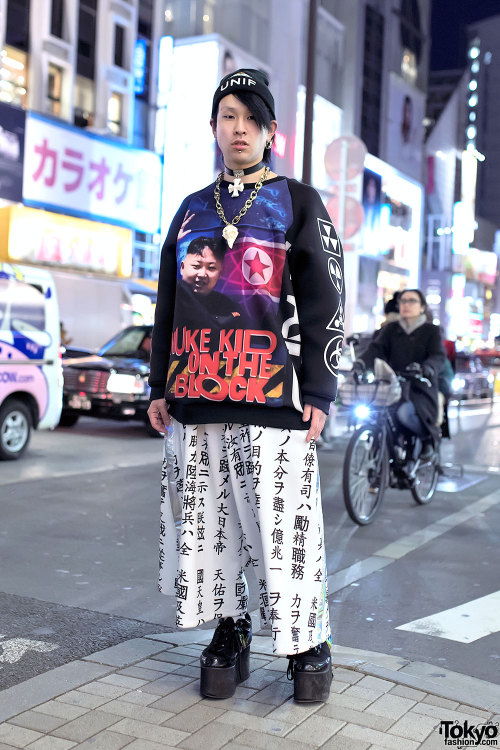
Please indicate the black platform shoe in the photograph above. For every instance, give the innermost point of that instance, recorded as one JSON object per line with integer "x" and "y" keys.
{"x": 226, "y": 661}
{"x": 311, "y": 672}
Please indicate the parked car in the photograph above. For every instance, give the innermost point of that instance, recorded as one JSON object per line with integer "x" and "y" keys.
{"x": 490, "y": 358}
{"x": 30, "y": 357}
{"x": 111, "y": 384}
{"x": 472, "y": 378}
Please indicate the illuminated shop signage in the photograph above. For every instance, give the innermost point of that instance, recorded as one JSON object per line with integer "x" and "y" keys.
{"x": 82, "y": 174}
{"x": 42, "y": 237}
{"x": 140, "y": 58}
{"x": 279, "y": 144}
{"x": 478, "y": 265}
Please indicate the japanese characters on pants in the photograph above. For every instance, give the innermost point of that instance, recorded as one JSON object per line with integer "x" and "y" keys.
{"x": 246, "y": 496}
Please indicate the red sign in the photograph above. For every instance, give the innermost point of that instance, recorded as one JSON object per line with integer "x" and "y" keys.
{"x": 279, "y": 144}
{"x": 353, "y": 215}
{"x": 355, "y": 158}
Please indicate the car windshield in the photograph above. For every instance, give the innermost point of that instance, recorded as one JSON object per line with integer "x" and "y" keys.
{"x": 133, "y": 342}
{"x": 468, "y": 364}
{"x": 22, "y": 306}
{"x": 463, "y": 364}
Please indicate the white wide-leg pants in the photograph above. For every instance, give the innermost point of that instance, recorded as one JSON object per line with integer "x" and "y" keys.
{"x": 235, "y": 496}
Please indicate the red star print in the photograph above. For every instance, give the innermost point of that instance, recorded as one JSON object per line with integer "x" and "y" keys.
{"x": 256, "y": 266}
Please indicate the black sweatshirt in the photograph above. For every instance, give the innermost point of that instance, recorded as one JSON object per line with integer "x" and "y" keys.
{"x": 266, "y": 339}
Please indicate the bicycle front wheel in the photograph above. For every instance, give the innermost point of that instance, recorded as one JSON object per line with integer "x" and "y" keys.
{"x": 365, "y": 474}
{"x": 426, "y": 480}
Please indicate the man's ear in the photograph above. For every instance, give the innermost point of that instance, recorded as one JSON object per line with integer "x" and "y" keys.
{"x": 213, "y": 125}
{"x": 273, "y": 127}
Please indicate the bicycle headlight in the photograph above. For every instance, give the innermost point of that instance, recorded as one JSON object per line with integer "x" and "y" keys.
{"x": 362, "y": 411}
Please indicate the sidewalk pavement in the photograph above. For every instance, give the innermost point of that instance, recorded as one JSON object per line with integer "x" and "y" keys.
{"x": 143, "y": 694}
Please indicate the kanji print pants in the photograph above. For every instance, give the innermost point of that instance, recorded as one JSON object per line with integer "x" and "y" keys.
{"x": 239, "y": 496}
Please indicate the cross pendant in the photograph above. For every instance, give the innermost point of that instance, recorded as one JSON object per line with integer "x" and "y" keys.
{"x": 236, "y": 187}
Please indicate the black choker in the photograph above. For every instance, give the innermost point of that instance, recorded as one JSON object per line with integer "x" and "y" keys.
{"x": 248, "y": 170}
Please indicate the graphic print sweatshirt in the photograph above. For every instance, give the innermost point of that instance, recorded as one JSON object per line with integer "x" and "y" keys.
{"x": 257, "y": 332}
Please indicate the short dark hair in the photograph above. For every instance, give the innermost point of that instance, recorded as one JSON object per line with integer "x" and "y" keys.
{"x": 391, "y": 306}
{"x": 421, "y": 295}
{"x": 197, "y": 246}
{"x": 260, "y": 111}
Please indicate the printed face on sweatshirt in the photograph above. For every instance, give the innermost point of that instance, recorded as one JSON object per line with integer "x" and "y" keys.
{"x": 201, "y": 272}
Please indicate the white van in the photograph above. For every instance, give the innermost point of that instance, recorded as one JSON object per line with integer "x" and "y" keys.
{"x": 30, "y": 356}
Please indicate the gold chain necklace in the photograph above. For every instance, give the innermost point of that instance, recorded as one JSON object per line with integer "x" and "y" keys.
{"x": 230, "y": 232}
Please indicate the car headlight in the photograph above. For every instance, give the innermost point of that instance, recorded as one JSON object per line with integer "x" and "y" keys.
{"x": 491, "y": 378}
{"x": 457, "y": 384}
{"x": 122, "y": 383}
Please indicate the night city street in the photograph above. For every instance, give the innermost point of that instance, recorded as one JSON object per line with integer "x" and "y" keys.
{"x": 249, "y": 374}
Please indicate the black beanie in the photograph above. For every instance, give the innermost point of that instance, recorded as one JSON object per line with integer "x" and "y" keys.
{"x": 245, "y": 79}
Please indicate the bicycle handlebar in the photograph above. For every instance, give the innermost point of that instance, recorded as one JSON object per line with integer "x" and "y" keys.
{"x": 400, "y": 375}
{"x": 411, "y": 375}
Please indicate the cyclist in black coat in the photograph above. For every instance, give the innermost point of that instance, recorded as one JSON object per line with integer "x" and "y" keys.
{"x": 403, "y": 343}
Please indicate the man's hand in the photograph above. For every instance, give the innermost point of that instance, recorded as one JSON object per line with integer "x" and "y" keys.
{"x": 414, "y": 368}
{"x": 358, "y": 370}
{"x": 427, "y": 371}
{"x": 158, "y": 415}
{"x": 183, "y": 231}
{"x": 318, "y": 419}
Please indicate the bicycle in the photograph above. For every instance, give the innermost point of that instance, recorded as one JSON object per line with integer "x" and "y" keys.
{"x": 381, "y": 452}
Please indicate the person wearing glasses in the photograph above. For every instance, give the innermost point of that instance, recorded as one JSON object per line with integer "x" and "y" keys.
{"x": 412, "y": 344}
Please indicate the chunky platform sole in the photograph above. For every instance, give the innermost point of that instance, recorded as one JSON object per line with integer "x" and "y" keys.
{"x": 221, "y": 682}
{"x": 312, "y": 687}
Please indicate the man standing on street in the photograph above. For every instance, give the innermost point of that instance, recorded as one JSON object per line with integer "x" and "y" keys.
{"x": 242, "y": 405}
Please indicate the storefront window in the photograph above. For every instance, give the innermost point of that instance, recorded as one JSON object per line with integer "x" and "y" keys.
{"x": 145, "y": 20}
{"x": 115, "y": 113}
{"x": 119, "y": 45}
{"x": 372, "y": 78}
{"x": 17, "y": 28}
{"x": 86, "y": 38}
{"x": 57, "y": 18}
{"x": 13, "y": 76}
{"x": 388, "y": 243}
{"x": 409, "y": 69}
{"x": 246, "y": 23}
{"x": 146, "y": 258}
{"x": 84, "y": 102}
{"x": 54, "y": 89}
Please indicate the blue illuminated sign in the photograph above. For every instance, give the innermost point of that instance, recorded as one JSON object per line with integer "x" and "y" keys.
{"x": 140, "y": 56}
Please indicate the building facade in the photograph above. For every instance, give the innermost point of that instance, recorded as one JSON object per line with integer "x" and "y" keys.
{"x": 120, "y": 70}
{"x": 79, "y": 59}
{"x": 77, "y": 110}
{"x": 462, "y": 216}
{"x": 382, "y": 97}
{"x": 484, "y": 91}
